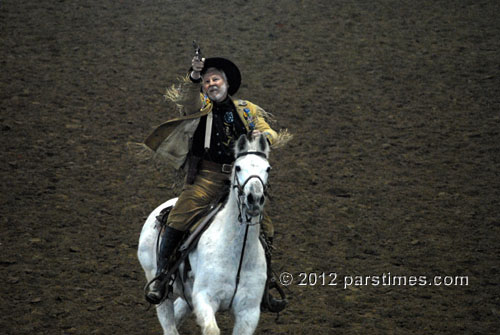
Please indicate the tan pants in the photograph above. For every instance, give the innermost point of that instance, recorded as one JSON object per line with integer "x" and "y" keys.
{"x": 195, "y": 198}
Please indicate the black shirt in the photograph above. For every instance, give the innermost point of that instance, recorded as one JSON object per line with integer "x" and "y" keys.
{"x": 227, "y": 127}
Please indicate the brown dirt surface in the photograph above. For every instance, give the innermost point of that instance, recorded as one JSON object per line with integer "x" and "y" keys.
{"x": 393, "y": 169}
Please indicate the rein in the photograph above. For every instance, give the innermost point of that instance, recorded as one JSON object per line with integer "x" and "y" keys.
{"x": 239, "y": 265}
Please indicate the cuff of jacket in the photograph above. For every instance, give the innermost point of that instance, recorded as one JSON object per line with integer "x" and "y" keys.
{"x": 196, "y": 81}
{"x": 269, "y": 137}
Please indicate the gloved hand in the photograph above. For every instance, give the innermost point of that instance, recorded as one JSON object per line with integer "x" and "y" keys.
{"x": 197, "y": 66}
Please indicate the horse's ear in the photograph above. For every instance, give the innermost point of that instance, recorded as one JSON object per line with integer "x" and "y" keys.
{"x": 263, "y": 145}
{"x": 241, "y": 145}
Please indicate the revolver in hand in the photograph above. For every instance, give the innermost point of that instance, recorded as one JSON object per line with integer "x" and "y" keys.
{"x": 197, "y": 51}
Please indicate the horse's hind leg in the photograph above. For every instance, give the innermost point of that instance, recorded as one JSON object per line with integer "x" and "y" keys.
{"x": 165, "y": 312}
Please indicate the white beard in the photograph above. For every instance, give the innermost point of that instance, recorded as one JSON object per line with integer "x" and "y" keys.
{"x": 219, "y": 94}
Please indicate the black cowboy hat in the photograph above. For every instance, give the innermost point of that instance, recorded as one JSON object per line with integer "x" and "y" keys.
{"x": 230, "y": 69}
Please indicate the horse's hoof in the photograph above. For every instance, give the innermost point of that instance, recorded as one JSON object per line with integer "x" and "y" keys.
{"x": 211, "y": 330}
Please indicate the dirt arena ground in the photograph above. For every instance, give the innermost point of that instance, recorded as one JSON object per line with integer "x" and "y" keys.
{"x": 393, "y": 171}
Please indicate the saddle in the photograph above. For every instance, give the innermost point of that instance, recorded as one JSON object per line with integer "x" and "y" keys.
{"x": 189, "y": 241}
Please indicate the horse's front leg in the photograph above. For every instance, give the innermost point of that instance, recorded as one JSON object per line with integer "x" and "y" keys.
{"x": 205, "y": 309}
{"x": 181, "y": 310}
{"x": 246, "y": 306}
{"x": 165, "y": 312}
{"x": 246, "y": 321}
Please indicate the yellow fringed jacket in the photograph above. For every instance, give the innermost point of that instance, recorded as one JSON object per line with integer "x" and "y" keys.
{"x": 172, "y": 139}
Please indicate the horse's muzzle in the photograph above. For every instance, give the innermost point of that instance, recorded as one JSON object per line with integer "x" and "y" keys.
{"x": 255, "y": 204}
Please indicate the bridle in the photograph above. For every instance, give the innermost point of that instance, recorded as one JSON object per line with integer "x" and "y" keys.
{"x": 248, "y": 220}
{"x": 240, "y": 187}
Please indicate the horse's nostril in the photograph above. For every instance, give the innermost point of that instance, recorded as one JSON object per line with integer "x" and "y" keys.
{"x": 262, "y": 200}
{"x": 250, "y": 198}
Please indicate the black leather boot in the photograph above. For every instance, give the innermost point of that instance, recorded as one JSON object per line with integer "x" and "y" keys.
{"x": 268, "y": 301}
{"x": 155, "y": 290}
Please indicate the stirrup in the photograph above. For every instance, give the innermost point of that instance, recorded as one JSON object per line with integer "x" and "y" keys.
{"x": 270, "y": 303}
{"x": 157, "y": 296}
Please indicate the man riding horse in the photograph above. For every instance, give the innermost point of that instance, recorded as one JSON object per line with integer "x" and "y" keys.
{"x": 201, "y": 140}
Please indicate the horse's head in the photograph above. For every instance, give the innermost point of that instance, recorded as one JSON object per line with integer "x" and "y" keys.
{"x": 250, "y": 174}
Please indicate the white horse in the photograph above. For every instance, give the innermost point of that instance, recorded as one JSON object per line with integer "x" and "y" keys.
{"x": 228, "y": 249}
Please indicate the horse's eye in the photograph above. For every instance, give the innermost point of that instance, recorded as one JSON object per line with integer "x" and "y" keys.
{"x": 268, "y": 169}
{"x": 238, "y": 168}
